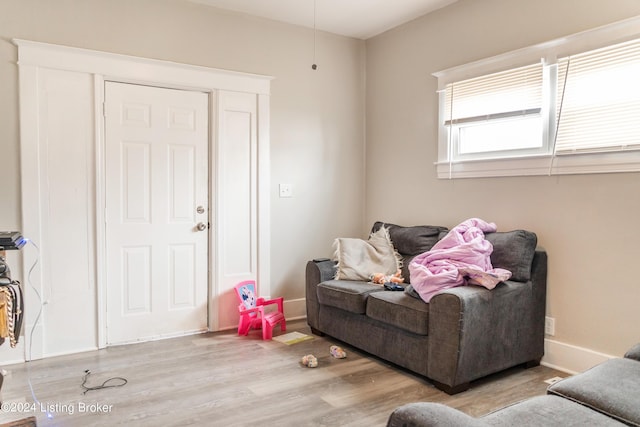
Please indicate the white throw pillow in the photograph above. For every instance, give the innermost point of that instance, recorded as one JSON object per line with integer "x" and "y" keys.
{"x": 359, "y": 259}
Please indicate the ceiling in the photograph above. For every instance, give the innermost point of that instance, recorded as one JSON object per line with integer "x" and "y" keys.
{"x": 361, "y": 19}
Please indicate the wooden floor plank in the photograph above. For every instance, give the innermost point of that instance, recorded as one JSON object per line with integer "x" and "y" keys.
{"x": 224, "y": 379}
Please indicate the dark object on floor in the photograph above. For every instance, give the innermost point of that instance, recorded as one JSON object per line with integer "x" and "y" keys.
{"x": 390, "y": 286}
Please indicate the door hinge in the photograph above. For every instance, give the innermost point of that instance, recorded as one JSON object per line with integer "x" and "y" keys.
{"x": 104, "y": 109}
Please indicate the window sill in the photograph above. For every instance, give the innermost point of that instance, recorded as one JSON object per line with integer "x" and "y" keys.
{"x": 566, "y": 164}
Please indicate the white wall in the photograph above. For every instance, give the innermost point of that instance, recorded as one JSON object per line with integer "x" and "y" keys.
{"x": 317, "y": 117}
{"x": 587, "y": 223}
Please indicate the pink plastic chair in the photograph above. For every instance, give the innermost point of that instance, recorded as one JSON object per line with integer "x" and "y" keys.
{"x": 252, "y": 313}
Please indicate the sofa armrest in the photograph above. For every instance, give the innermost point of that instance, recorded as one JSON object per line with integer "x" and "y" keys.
{"x": 317, "y": 272}
{"x": 633, "y": 353}
{"x": 474, "y": 332}
{"x": 425, "y": 414}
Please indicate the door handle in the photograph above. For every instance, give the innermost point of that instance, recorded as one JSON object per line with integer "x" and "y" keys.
{"x": 201, "y": 226}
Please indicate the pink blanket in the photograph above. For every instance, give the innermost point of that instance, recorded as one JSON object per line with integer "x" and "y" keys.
{"x": 461, "y": 257}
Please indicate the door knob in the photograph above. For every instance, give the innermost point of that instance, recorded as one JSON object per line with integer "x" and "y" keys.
{"x": 201, "y": 226}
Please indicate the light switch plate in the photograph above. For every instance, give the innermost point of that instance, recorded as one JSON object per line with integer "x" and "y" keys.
{"x": 286, "y": 190}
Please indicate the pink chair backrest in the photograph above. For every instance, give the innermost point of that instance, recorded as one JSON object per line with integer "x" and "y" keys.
{"x": 247, "y": 294}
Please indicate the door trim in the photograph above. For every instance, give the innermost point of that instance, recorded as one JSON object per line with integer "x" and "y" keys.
{"x": 102, "y": 66}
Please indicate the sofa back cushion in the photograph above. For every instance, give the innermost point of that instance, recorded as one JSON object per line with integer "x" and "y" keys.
{"x": 412, "y": 240}
{"x": 513, "y": 251}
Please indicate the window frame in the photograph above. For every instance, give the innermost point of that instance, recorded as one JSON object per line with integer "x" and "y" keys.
{"x": 456, "y": 143}
{"x": 543, "y": 161}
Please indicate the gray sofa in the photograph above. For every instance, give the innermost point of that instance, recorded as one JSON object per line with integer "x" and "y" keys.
{"x": 462, "y": 334}
{"x": 606, "y": 395}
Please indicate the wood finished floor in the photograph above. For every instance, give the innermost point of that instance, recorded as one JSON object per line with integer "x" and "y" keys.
{"x": 221, "y": 379}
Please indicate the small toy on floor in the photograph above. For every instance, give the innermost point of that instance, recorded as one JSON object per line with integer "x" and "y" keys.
{"x": 309, "y": 360}
{"x": 337, "y": 352}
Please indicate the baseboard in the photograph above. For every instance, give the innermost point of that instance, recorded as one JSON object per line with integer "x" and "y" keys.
{"x": 9, "y": 355}
{"x": 570, "y": 358}
{"x": 557, "y": 355}
{"x": 295, "y": 308}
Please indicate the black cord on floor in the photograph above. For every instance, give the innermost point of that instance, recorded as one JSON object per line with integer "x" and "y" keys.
{"x": 105, "y": 384}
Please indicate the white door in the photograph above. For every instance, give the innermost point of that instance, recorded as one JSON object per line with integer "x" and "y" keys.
{"x": 156, "y": 171}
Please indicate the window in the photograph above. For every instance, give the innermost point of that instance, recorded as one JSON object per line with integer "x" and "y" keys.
{"x": 497, "y": 115}
{"x": 600, "y": 108}
{"x": 568, "y": 106}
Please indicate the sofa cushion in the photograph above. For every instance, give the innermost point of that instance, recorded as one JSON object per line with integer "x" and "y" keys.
{"x": 347, "y": 295}
{"x": 513, "y": 251}
{"x": 427, "y": 414}
{"x": 412, "y": 240}
{"x": 611, "y": 388}
{"x": 546, "y": 411}
{"x": 539, "y": 411}
{"x": 399, "y": 310}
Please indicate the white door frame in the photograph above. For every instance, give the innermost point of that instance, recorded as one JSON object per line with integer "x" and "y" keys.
{"x": 33, "y": 56}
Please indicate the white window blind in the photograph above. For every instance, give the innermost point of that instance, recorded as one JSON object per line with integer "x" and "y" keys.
{"x": 600, "y": 102}
{"x": 495, "y": 96}
{"x": 575, "y": 109}
{"x": 495, "y": 115}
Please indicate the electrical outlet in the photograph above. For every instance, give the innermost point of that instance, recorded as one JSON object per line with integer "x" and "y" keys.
{"x": 549, "y": 326}
{"x": 286, "y": 190}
